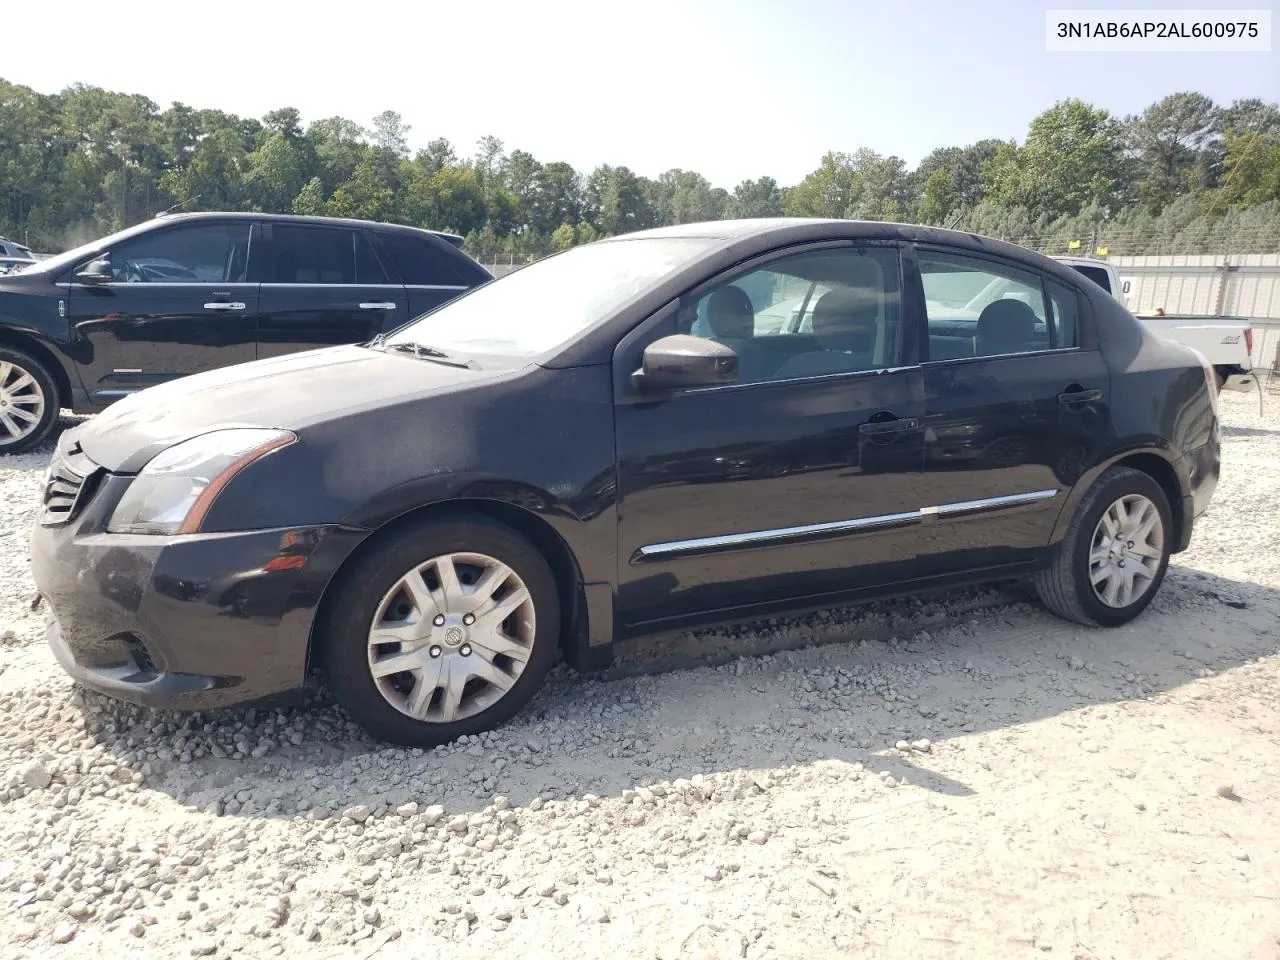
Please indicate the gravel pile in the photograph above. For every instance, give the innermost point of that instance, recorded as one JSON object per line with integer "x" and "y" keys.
{"x": 959, "y": 776}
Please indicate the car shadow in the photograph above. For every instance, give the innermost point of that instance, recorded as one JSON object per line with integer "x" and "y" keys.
{"x": 941, "y": 669}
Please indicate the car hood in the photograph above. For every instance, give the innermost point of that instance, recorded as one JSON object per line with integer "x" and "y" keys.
{"x": 290, "y": 392}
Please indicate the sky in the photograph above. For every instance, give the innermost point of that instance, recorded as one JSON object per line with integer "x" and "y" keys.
{"x": 733, "y": 89}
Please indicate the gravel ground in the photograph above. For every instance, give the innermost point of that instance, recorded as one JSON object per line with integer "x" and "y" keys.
{"x": 964, "y": 776}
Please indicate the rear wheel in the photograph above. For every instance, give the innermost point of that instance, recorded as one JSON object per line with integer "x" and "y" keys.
{"x": 447, "y": 628}
{"x": 28, "y": 401}
{"x": 1113, "y": 559}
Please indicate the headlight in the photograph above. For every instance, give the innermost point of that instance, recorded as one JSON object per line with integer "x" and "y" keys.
{"x": 174, "y": 491}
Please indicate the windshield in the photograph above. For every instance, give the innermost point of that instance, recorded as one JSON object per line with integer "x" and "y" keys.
{"x": 541, "y": 306}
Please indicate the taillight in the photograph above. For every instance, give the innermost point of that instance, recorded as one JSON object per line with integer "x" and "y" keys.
{"x": 1248, "y": 341}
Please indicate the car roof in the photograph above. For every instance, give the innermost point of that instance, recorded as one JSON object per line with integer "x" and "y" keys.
{"x": 762, "y": 232}
{"x": 297, "y": 218}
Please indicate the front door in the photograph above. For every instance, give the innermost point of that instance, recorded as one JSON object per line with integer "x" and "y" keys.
{"x": 178, "y": 303}
{"x": 803, "y": 479}
{"x": 1016, "y": 394}
{"x": 323, "y": 286}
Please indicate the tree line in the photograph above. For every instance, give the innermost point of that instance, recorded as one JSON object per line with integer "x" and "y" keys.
{"x": 1183, "y": 176}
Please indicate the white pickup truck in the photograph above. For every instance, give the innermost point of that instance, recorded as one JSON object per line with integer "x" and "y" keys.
{"x": 1226, "y": 342}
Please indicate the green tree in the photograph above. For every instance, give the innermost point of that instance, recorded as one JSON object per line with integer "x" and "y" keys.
{"x": 940, "y": 198}
{"x": 563, "y": 238}
{"x": 828, "y": 191}
{"x": 1169, "y": 140}
{"x": 755, "y": 198}
{"x": 1073, "y": 158}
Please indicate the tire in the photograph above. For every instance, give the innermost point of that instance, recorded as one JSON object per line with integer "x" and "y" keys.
{"x": 27, "y": 388}
{"x": 1067, "y": 585}
{"x": 420, "y": 707}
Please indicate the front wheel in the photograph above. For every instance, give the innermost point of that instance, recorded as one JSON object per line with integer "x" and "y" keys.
{"x": 1113, "y": 559}
{"x": 28, "y": 401}
{"x": 447, "y": 628}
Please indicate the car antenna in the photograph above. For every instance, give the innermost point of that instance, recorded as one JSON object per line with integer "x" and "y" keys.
{"x": 163, "y": 213}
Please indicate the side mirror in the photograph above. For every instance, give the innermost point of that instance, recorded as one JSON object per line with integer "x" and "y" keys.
{"x": 97, "y": 272}
{"x": 681, "y": 361}
{"x": 1126, "y": 286}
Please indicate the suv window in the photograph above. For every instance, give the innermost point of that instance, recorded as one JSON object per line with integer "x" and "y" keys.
{"x": 304, "y": 254}
{"x": 980, "y": 308}
{"x": 369, "y": 268}
{"x": 198, "y": 253}
{"x": 418, "y": 261}
{"x": 808, "y": 314}
{"x": 1095, "y": 274}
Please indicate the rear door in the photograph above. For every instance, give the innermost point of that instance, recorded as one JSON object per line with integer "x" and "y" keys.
{"x": 1016, "y": 407}
{"x": 179, "y": 302}
{"x": 323, "y": 286}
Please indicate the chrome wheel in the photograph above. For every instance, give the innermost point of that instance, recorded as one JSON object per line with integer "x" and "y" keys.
{"x": 1126, "y": 551}
{"x": 21, "y": 403}
{"x": 451, "y": 637}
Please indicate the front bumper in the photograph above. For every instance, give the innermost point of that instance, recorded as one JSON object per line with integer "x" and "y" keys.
{"x": 186, "y": 622}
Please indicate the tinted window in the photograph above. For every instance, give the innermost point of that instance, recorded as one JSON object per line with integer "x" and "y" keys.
{"x": 1095, "y": 274}
{"x": 1066, "y": 313}
{"x": 313, "y": 255}
{"x": 368, "y": 268}
{"x": 418, "y": 262}
{"x": 978, "y": 308}
{"x": 198, "y": 253}
{"x": 810, "y": 314}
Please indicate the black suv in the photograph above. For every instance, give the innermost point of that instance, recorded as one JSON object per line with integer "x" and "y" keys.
{"x": 186, "y": 293}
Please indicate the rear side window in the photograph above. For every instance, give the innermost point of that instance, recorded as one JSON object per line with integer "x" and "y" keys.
{"x": 313, "y": 255}
{"x": 1095, "y": 274}
{"x": 419, "y": 262}
{"x": 1066, "y": 314}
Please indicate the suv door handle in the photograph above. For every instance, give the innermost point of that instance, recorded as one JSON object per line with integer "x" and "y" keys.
{"x": 882, "y": 427}
{"x": 1079, "y": 396}
{"x": 378, "y": 305}
{"x": 224, "y": 305}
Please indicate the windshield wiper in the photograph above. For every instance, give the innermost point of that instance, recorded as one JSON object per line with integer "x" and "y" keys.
{"x": 424, "y": 352}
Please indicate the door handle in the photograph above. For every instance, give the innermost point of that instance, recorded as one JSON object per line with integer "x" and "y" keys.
{"x": 378, "y": 305}
{"x": 881, "y": 427}
{"x": 224, "y": 305}
{"x": 1073, "y": 397}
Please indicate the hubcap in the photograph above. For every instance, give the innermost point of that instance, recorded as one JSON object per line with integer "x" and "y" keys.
{"x": 451, "y": 637}
{"x": 1127, "y": 547}
{"x": 21, "y": 403}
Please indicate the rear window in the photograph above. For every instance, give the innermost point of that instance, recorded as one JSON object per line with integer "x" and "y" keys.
{"x": 419, "y": 262}
{"x": 1095, "y": 274}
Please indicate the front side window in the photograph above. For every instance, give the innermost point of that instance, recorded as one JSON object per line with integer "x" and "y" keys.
{"x": 198, "y": 253}
{"x": 539, "y": 307}
{"x": 809, "y": 314}
{"x": 980, "y": 308}
{"x": 312, "y": 255}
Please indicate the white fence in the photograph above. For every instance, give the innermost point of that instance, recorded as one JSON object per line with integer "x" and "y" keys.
{"x": 1247, "y": 285}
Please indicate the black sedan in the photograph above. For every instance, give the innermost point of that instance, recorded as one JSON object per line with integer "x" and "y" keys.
{"x": 611, "y": 442}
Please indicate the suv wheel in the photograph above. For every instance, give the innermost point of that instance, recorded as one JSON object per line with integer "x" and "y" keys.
{"x": 447, "y": 628}
{"x": 28, "y": 401}
{"x": 1113, "y": 559}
